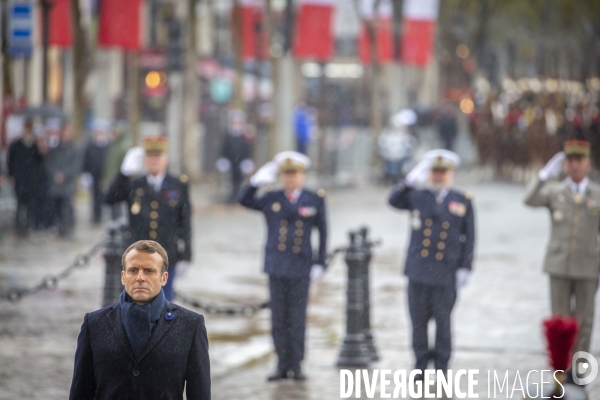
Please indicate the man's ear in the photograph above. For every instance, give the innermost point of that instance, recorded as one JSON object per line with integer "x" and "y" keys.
{"x": 164, "y": 278}
{"x": 123, "y": 278}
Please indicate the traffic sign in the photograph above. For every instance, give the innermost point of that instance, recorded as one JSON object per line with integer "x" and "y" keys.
{"x": 20, "y": 29}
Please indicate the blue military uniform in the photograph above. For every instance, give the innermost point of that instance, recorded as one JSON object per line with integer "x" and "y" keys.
{"x": 442, "y": 241}
{"x": 163, "y": 216}
{"x": 288, "y": 261}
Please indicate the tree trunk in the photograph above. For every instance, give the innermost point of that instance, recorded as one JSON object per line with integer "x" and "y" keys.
{"x": 133, "y": 96}
{"x": 79, "y": 71}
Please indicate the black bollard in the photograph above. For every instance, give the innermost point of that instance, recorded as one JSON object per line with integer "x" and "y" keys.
{"x": 365, "y": 246}
{"x": 355, "y": 351}
{"x": 113, "y": 252}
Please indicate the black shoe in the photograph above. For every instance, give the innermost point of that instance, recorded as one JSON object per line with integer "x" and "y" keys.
{"x": 278, "y": 375}
{"x": 298, "y": 375}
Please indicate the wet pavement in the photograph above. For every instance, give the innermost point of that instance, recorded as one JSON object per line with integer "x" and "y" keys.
{"x": 496, "y": 325}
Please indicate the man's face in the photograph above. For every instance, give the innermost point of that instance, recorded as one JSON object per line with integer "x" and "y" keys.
{"x": 441, "y": 178}
{"x": 577, "y": 167}
{"x": 156, "y": 163}
{"x": 292, "y": 180}
{"x": 142, "y": 276}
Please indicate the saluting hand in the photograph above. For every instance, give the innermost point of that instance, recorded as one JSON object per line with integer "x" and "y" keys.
{"x": 553, "y": 168}
{"x": 133, "y": 162}
{"x": 419, "y": 174}
{"x": 266, "y": 175}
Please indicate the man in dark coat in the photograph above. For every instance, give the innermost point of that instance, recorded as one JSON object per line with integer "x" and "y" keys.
{"x": 94, "y": 162}
{"x": 440, "y": 253}
{"x": 447, "y": 125}
{"x": 236, "y": 152}
{"x": 159, "y": 205}
{"x": 143, "y": 347}
{"x": 26, "y": 170}
{"x": 291, "y": 215}
{"x": 62, "y": 163}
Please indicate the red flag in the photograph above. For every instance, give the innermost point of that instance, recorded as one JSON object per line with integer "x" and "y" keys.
{"x": 255, "y": 38}
{"x": 384, "y": 34}
{"x": 313, "y": 36}
{"x": 418, "y": 25}
{"x": 60, "y": 32}
{"x": 119, "y": 24}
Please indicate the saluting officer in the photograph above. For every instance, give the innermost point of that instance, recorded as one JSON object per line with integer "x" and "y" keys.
{"x": 440, "y": 253}
{"x": 159, "y": 205}
{"x": 572, "y": 258}
{"x": 291, "y": 215}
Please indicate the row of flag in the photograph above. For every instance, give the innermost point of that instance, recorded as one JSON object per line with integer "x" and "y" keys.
{"x": 119, "y": 26}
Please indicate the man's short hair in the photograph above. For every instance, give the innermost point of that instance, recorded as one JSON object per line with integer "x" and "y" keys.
{"x": 151, "y": 247}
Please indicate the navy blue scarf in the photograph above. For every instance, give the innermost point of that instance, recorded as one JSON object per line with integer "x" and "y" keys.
{"x": 139, "y": 321}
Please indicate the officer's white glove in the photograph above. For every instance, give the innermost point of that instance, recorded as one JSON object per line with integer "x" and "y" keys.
{"x": 133, "y": 163}
{"x": 316, "y": 272}
{"x": 87, "y": 180}
{"x": 462, "y": 276}
{"x": 223, "y": 165}
{"x": 181, "y": 267}
{"x": 553, "y": 168}
{"x": 419, "y": 175}
{"x": 247, "y": 166}
{"x": 266, "y": 175}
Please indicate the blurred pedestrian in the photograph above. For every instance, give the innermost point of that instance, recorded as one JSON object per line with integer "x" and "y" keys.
{"x": 397, "y": 145}
{"x": 26, "y": 171}
{"x": 143, "y": 347}
{"x": 62, "y": 163}
{"x": 447, "y": 124}
{"x": 94, "y": 163}
{"x": 236, "y": 152}
{"x": 440, "y": 253}
{"x": 303, "y": 125}
{"x": 572, "y": 258}
{"x": 159, "y": 205}
{"x": 117, "y": 148}
{"x": 291, "y": 214}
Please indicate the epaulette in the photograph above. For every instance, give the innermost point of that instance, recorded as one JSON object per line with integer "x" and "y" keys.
{"x": 468, "y": 195}
{"x": 183, "y": 178}
{"x": 321, "y": 192}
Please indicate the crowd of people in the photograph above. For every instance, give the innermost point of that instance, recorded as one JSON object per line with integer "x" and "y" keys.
{"x": 523, "y": 129}
{"x": 44, "y": 164}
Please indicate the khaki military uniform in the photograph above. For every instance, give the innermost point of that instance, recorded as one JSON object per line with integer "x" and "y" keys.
{"x": 573, "y": 254}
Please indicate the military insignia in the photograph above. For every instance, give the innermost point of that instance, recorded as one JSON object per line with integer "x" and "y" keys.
{"x": 593, "y": 205}
{"x": 416, "y": 220}
{"x": 135, "y": 208}
{"x": 139, "y": 192}
{"x": 171, "y": 194}
{"x": 276, "y": 206}
{"x": 307, "y": 211}
{"x": 457, "y": 208}
{"x": 558, "y": 216}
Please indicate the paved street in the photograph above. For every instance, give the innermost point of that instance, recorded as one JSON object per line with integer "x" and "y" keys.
{"x": 497, "y": 321}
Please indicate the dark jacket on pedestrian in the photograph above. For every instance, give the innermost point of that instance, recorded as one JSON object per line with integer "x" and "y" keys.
{"x": 94, "y": 161}
{"x": 65, "y": 159}
{"x": 25, "y": 166}
{"x": 175, "y": 356}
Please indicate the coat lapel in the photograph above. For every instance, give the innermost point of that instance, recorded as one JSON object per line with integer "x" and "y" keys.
{"x": 114, "y": 319}
{"x": 162, "y": 327}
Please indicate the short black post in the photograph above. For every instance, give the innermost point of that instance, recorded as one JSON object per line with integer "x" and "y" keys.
{"x": 113, "y": 251}
{"x": 355, "y": 351}
{"x": 366, "y": 246}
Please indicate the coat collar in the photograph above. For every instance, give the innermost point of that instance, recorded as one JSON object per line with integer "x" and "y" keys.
{"x": 162, "y": 327}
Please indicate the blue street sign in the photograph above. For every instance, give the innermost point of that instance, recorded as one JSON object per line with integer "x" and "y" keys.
{"x": 20, "y": 29}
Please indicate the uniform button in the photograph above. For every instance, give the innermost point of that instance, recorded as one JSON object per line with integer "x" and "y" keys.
{"x": 443, "y": 235}
{"x": 424, "y": 253}
{"x": 427, "y": 232}
{"x": 154, "y": 204}
{"x": 299, "y": 224}
{"x": 136, "y": 372}
{"x": 299, "y": 232}
{"x": 283, "y": 231}
{"x": 426, "y": 242}
{"x": 428, "y": 222}
{"x": 574, "y": 231}
{"x": 153, "y": 224}
{"x": 139, "y": 192}
{"x": 439, "y": 256}
{"x": 441, "y": 245}
{"x": 153, "y": 235}
{"x": 281, "y": 247}
{"x": 576, "y": 220}
{"x": 573, "y": 242}
{"x": 153, "y": 214}
{"x": 284, "y": 223}
{"x": 297, "y": 241}
{"x": 172, "y": 202}
{"x": 445, "y": 224}
{"x": 296, "y": 249}
{"x": 282, "y": 238}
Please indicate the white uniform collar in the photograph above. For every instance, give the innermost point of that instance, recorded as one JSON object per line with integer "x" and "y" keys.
{"x": 156, "y": 181}
{"x": 295, "y": 194}
{"x": 582, "y": 186}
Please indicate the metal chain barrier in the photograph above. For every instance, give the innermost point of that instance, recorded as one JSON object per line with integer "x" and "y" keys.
{"x": 245, "y": 310}
{"x": 50, "y": 282}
